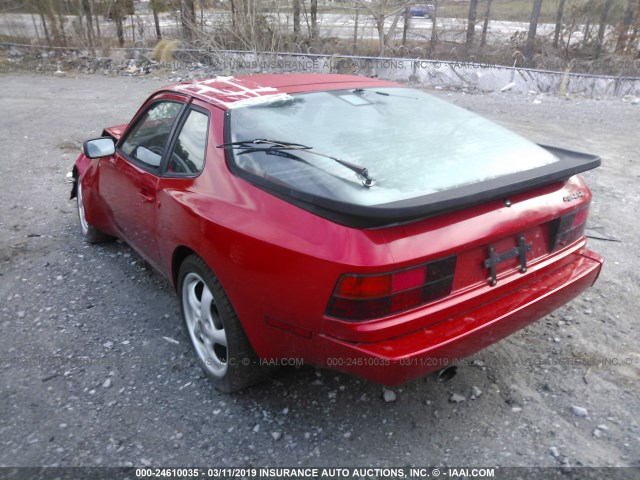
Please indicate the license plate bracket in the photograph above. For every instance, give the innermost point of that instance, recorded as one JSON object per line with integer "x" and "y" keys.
{"x": 494, "y": 259}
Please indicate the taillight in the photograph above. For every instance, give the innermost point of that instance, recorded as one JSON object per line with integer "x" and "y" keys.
{"x": 365, "y": 297}
{"x": 567, "y": 229}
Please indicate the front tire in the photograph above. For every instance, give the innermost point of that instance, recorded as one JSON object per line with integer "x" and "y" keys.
{"x": 90, "y": 234}
{"x": 223, "y": 349}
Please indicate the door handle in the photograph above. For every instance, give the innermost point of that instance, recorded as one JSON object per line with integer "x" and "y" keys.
{"x": 146, "y": 197}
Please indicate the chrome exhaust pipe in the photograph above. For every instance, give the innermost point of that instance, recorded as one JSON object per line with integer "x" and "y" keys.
{"x": 447, "y": 373}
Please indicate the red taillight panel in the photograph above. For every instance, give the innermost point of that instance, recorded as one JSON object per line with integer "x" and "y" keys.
{"x": 366, "y": 297}
{"x": 408, "y": 279}
{"x": 364, "y": 286}
{"x": 568, "y": 229}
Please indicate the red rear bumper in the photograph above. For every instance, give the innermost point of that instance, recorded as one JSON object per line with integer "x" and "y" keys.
{"x": 400, "y": 359}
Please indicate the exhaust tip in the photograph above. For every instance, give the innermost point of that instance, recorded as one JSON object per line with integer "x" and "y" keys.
{"x": 447, "y": 374}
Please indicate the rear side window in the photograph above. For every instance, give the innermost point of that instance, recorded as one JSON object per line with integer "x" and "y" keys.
{"x": 188, "y": 153}
{"x": 149, "y": 137}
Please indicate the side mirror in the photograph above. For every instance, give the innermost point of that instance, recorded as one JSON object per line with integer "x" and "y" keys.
{"x": 99, "y": 147}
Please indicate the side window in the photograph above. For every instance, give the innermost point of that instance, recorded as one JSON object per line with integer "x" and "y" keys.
{"x": 188, "y": 153}
{"x": 148, "y": 138}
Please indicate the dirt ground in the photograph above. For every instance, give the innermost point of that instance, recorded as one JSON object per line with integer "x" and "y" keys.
{"x": 88, "y": 377}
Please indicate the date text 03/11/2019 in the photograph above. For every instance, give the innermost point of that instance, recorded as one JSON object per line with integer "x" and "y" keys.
{"x": 315, "y": 472}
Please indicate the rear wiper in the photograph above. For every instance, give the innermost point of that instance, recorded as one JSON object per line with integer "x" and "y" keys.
{"x": 360, "y": 91}
{"x": 274, "y": 146}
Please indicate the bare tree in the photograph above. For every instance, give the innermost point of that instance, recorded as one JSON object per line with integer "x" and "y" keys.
{"x": 627, "y": 20}
{"x": 46, "y": 10}
{"x": 35, "y": 8}
{"x": 46, "y": 31}
{"x": 77, "y": 24}
{"x": 531, "y": 36}
{"x": 296, "y": 20}
{"x": 118, "y": 12}
{"x": 558, "y": 30}
{"x": 61, "y": 20}
{"x": 381, "y": 10}
{"x": 471, "y": 23}
{"x": 155, "y": 7}
{"x": 406, "y": 22}
{"x": 572, "y": 27}
{"x": 87, "y": 9}
{"x": 604, "y": 15}
{"x": 96, "y": 17}
{"x": 485, "y": 24}
{"x": 314, "y": 20}
{"x": 433, "y": 42}
{"x": 35, "y": 26}
{"x": 44, "y": 26}
{"x": 354, "y": 50}
{"x": 588, "y": 24}
{"x": 188, "y": 18}
{"x": 232, "y": 5}
{"x": 635, "y": 30}
{"x": 97, "y": 20}
{"x": 249, "y": 29}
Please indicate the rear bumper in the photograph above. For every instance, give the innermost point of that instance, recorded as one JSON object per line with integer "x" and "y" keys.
{"x": 397, "y": 360}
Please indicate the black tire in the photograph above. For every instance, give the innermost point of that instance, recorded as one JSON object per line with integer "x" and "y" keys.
{"x": 233, "y": 366}
{"x": 90, "y": 234}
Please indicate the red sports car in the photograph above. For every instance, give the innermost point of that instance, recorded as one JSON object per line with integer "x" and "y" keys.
{"x": 350, "y": 222}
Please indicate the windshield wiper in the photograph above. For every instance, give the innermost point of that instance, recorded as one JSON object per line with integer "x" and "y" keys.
{"x": 274, "y": 146}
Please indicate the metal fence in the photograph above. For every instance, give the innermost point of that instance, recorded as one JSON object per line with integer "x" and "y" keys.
{"x": 432, "y": 73}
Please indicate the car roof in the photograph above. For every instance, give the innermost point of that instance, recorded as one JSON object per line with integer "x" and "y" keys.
{"x": 232, "y": 92}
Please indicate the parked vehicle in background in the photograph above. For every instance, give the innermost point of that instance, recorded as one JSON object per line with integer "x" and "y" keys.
{"x": 424, "y": 10}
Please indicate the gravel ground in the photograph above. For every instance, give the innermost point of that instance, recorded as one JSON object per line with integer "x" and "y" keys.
{"x": 95, "y": 368}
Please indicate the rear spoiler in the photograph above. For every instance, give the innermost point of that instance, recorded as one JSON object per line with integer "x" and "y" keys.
{"x": 358, "y": 216}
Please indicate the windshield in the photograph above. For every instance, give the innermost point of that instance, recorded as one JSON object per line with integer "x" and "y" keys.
{"x": 411, "y": 143}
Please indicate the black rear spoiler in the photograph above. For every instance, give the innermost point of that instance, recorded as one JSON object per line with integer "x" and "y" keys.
{"x": 569, "y": 163}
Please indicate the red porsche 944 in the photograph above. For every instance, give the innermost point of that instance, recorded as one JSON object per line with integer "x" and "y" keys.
{"x": 354, "y": 223}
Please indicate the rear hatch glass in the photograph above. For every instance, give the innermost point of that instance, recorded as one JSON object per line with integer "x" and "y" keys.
{"x": 385, "y": 154}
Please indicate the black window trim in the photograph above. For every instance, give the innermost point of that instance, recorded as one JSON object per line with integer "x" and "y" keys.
{"x": 157, "y": 171}
{"x": 173, "y": 138}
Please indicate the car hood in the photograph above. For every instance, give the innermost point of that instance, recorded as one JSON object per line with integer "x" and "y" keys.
{"x": 115, "y": 131}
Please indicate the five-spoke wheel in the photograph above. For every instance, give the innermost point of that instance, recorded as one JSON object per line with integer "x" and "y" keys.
{"x": 204, "y": 325}
{"x": 220, "y": 342}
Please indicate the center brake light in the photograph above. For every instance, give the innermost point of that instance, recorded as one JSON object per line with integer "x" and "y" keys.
{"x": 365, "y": 297}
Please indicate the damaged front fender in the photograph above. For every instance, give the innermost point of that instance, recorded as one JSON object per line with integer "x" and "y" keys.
{"x": 72, "y": 178}
{"x": 79, "y": 168}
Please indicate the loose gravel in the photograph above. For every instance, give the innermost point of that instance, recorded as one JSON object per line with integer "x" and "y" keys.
{"x": 96, "y": 370}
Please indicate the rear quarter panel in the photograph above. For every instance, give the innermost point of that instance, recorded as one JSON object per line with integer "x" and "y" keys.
{"x": 274, "y": 260}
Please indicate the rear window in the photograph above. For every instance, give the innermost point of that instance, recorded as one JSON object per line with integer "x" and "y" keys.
{"x": 422, "y": 155}
{"x": 411, "y": 143}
